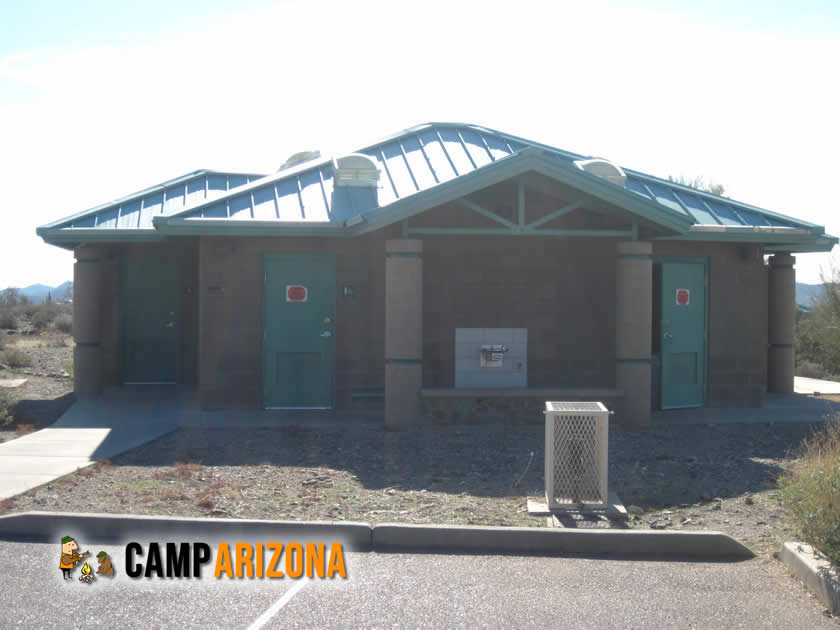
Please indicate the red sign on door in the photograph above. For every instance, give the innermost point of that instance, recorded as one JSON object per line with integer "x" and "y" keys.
{"x": 683, "y": 297}
{"x": 296, "y": 293}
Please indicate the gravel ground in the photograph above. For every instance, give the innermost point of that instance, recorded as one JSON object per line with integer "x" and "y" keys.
{"x": 48, "y": 390}
{"x": 676, "y": 477}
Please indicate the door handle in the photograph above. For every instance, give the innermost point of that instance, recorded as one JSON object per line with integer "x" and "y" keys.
{"x": 668, "y": 336}
{"x": 169, "y": 325}
{"x": 326, "y": 333}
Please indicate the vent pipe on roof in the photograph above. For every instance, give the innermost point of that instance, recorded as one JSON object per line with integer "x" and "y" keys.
{"x": 355, "y": 170}
{"x": 603, "y": 169}
{"x": 299, "y": 158}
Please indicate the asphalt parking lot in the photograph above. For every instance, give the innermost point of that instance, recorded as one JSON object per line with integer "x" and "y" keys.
{"x": 414, "y": 590}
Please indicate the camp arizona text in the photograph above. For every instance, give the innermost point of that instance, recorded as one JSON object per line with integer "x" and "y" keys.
{"x": 273, "y": 560}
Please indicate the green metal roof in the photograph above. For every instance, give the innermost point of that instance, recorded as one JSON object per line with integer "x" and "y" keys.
{"x": 420, "y": 168}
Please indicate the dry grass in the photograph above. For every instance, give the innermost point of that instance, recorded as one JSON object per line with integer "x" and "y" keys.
{"x": 8, "y": 320}
{"x": 64, "y": 323}
{"x": 13, "y": 357}
{"x": 811, "y": 492}
{"x": 181, "y": 470}
{"x": 23, "y": 429}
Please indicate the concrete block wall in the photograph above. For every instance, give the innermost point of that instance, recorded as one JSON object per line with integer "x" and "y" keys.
{"x": 182, "y": 256}
{"x": 561, "y": 290}
{"x": 231, "y": 322}
{"x": 514, "y": 369}
{"x": 737, "y": 296}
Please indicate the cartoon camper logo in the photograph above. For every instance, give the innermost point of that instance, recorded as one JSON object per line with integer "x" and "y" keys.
{"x": 70, "y": 557}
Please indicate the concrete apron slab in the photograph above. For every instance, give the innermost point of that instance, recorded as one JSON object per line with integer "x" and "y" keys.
{"x": 90, "y": 430}
{"x": 802, "y": 385}
{"x": 388, "y": 537}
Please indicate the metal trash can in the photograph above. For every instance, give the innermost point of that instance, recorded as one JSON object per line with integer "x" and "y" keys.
{"x": 576, "y": 455}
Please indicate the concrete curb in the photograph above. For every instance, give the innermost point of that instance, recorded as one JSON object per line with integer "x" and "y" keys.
{"x": 814, "y": 572}
{"x": 51, "y": 526}
{"x": 532, "y": 540}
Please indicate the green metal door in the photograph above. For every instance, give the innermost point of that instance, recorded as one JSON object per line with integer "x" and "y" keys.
{"x": 149, "y": 321}
{"x": 299, "y": 329}
{"x": 683, "y": 333}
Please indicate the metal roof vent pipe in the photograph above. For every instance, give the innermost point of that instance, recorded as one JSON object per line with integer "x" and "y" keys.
{"x": 603, "y": 169}
{"x": 355, "y": 188}
{"x": 355, "y": 170}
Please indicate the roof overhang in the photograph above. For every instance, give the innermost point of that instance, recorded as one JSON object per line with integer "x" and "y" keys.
{"x": 178, "y": 226}
{"x": 73, "y": 237}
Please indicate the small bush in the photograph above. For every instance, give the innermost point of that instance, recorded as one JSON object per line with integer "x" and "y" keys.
{"x": 15, "y": 358}
{"x": 6, "y": 417}
{"x": 64, "y": 323}
{"x": 44, "y": 317}
{"x": 8, "y": 321}
{"x": 811, "y": 491}
{"x": 809, "y": 369}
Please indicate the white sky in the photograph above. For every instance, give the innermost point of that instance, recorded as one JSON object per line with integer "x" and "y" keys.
{"x": 657, "y": 92}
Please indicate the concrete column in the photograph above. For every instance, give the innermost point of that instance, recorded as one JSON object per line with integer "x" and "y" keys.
{"x": 403, "y": 332}
{"x": 781, "y": 313}
{"x": 633, "y": 324}
{"x": 87, "y": 322}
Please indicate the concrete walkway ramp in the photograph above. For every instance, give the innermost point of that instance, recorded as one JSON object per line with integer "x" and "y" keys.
{"x": 90, "y": 430}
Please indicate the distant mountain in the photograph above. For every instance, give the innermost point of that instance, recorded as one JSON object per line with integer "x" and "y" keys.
{"x": 38, "y": 292}
{"x": 807, "y": 293}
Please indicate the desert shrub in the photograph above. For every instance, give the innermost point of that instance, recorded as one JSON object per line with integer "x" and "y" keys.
{"x": 64, "y": 323}
{"x": 30, "y": 309}
{"x": 15, "y": 358}
{"x": 811, "y": 491}
{"x": 8, "y": 320}
{"x": 6, "y": 417}
{"x": 809, "y": 369}
{"x": 44, "y": 316}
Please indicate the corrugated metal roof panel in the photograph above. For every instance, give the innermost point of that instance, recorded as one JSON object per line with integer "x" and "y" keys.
{"x": 138, "y": 209}
{"x": 698, "y": 210}
{"x": 410, "y": 162}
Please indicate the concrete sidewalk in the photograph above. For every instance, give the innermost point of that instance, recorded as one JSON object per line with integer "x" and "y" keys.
{"x": 777, "y": 408}
{"x": 802, "y": 385}
{"x": 90, "y": 430}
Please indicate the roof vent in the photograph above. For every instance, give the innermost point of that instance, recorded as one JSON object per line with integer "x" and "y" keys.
{"x": 603, "y": 169}
{"x": 299, "y": 158}
{"x": 356, "y": 170}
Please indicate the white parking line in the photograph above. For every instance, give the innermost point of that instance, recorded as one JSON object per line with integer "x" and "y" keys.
{"x": 276, "y": 606}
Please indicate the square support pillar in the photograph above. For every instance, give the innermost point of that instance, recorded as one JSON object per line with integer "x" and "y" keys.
{"x": 781, "y": 323}
{"x": 633, "y": 326}
{"x": 87, "y": 322}
{"x": 403, "y": 332}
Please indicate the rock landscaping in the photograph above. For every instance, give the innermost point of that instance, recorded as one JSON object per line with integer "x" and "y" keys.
{"x": 670, "y": 477}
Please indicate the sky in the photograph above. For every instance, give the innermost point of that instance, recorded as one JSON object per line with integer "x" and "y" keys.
{"x": 99, "y": 100}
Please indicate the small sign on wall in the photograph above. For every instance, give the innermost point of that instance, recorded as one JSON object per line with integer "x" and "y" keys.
{"x": 683, "y": 297}
{"x": 296, "y": 293}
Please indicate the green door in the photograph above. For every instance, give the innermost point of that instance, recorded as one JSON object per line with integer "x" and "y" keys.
{"x": 299, "y": 329}
{"x": 149, "y": 321}
{"x": 683, "y": 333}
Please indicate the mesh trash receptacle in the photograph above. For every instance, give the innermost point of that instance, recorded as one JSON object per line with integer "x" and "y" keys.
{"x": 576, "y": 435}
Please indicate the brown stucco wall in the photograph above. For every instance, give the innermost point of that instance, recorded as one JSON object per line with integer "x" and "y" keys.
{"x": 182, "y": 256}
